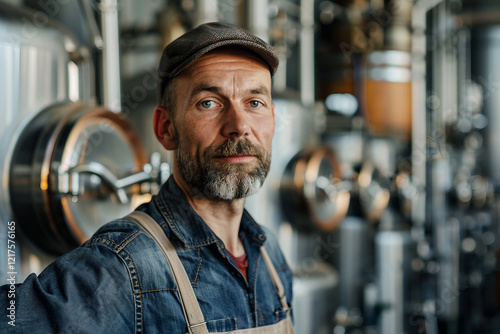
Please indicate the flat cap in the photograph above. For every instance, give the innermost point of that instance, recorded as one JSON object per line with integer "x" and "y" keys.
{"x": 206, "y": 37}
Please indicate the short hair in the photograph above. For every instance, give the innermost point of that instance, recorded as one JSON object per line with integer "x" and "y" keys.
{"x": 168, "y": 97}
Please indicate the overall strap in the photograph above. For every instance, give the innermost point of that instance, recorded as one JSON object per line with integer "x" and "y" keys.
{"x": 278, "y": 286}
{"x": 192, "y": 312}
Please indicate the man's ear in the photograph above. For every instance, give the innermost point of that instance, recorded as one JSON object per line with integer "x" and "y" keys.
{"x": 163, "y": 127}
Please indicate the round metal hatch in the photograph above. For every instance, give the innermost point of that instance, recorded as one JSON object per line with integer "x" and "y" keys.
{"x": 312, "y": 194}
{"x": 374, "y": 191}
{"x": 60, "y": 169}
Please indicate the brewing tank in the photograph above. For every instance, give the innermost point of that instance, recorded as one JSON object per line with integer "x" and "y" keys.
{"x": 35, "y": 67}
{"x": 66, "y": 165}
{"x": 34, "y": 64}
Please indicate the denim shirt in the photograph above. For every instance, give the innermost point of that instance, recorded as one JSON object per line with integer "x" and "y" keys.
{"x": 120, "y": 282}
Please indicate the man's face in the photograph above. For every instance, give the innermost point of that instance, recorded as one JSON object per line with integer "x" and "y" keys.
{"x": 224, "y": 124}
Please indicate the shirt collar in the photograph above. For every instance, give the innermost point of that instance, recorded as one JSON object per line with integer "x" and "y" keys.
{"x": 188, "y": 226}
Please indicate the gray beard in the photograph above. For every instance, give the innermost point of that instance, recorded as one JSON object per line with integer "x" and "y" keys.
{"x": 220, "y": 185}
{"x": 224, "y": 181}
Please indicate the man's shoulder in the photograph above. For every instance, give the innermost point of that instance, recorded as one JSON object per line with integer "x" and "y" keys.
{"x": 116, "y": 234}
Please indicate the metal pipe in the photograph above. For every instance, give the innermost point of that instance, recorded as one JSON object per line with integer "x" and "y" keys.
{"x": 207, "y": 11}
{"x": 355, "y": 259}
{"x": 307, "y": 90}
{"x": 258, "y": 24}
{"x": 111, "y": 55}
{"x": 91, "y": 24}
{"x": 419, "y": 124}
{"x": 393, "y": 257}
{"x": 258, "y": 21}
{"x": 280, "y": 78}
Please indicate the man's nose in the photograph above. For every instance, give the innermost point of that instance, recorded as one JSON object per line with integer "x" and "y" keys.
{"x": 236, "y": 123}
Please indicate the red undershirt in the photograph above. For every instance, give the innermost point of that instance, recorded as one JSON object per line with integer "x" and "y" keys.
{"x": 241, "y": 262}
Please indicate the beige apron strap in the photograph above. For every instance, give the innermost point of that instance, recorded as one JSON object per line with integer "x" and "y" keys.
{"x": 192, "y": 312}
{"x": 275, "y": 278}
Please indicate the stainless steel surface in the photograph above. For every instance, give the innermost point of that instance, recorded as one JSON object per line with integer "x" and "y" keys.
{"x": 355, "y": 264}
{"x": 72, "y": 181}
{"x": 258, "y": 19}
{"x": 349, "y": 148}
{"x": 313, "y": 195}
{"x": 55, "y": 205}
{"x": 92, "y": 26}
{"x": 393, "y": 256}
{"x": 383, "y": 153}
{"x": 391, "y": 65}
{"x": 36, "y": 56}
{"x": 315, "y": 296}
{"x": 420, "y": 101}
{"x": 29, "y": 64}
{"x": 448, "y": 278}
{"x": 206, "y": 11}
{"x": 485, "y": 52}
{"x": 46, "y": 69}
{"x": 447, "y": 176}
{"x": 374, "y": 192}
{"x": 111, "y": 55}
{"x": 307, "y": 49}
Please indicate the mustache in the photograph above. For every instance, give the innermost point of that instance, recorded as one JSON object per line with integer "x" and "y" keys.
{"x": 235, "y": 147}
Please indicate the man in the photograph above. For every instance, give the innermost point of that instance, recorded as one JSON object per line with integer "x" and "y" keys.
{"x": 216, "y": 114}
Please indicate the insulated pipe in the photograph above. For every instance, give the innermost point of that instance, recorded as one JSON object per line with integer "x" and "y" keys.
{"x": 111, "y": 55}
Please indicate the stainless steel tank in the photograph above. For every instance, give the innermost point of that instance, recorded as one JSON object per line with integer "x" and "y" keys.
{"x": 315, "y": 296}
{"x": 66, "y": 172}
{"x": 64, "y": 166}
{"x": 34, "y": 71}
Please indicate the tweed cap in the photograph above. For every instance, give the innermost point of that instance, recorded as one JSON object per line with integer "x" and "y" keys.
{"x": 195, "y": 43}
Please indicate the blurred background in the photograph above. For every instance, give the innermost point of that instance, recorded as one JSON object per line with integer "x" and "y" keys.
{"x": 384, "y": 189}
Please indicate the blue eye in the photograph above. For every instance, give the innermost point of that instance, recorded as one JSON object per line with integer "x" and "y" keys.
{"x": 255, "y": 104}
{"x": 207, "y": 104}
